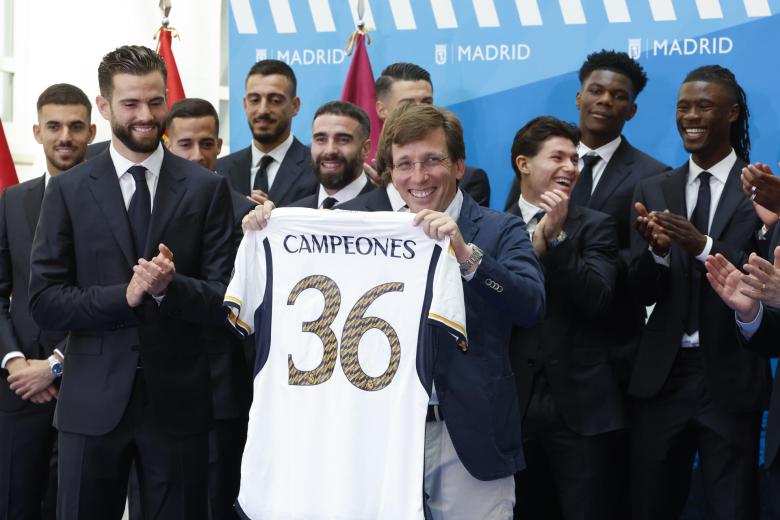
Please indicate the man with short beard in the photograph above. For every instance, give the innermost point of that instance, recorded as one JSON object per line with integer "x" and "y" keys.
{"x": 340, "y": 143}
{"x": 276, "y": 166}
{"x": 31, "y": 358}
{"x": 132, "y": 255}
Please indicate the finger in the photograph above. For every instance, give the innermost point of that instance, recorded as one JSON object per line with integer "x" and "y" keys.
{"x": 53, "y": 391}
{"x": 420, "y": 215}
{"x": 758, "y": 274}
{"x": 167, "y": 253}
{"x": 546, "y": 207}
{"x": 640, "y": 209}
{"x": 761, "y": 263}
{"x": 777, "y": 257}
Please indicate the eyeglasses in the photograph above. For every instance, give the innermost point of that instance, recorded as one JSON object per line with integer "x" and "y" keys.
{"x": 429, "y": 163}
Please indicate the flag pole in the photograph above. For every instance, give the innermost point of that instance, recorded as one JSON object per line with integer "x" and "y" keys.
{"x": 164, "y": 37}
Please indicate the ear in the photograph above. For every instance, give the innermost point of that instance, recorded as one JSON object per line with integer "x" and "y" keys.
{"x": 219, "y": 145}
{"x": 167, "y": 143}
{"x": 521, "y": 162}
{"x": 104, "y": 107}
{"x": 296, "y": 103}
{"x": 631, "y": 113}
{"x": 460, "y": 168}
{"x": 365, "y": 149}
{"x": 577, "y": 100}
{"x": 244, "y": 103}
{"x": 733, "y": 113}
{"x": 381, "y": 110}
{"x": 92, "y": 133}
{"x": 37, "y": 133}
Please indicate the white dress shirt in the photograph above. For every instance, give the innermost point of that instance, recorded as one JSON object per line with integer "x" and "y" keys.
{"x": 153, "y": 164}
{"x": 529, "y": 211}
{"x": 277, "y": 153}
{"x": 605, "y": 152}
{"x": 348, "y": 192}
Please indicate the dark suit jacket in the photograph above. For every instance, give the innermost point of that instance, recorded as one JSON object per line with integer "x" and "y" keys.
{"x": 96, "y": 149}
{"x": 231, "y": 357}
{"x": 580, "y": 276}
{"x": 737, "y": 379}
{"x": 295, "y": 178}
{"x": 81, "y": 263}
{"x": 20, "y": 206}
{"x": 475, "y": 182}
{"x": 476, "y": 390}
{"x": 310, "y": 201}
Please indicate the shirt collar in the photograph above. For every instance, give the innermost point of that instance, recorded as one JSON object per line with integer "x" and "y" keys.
{"x": 46, "y": 178}
{"x": 153, "y": 163}
{"x": 605, "y": 152}
{"x": 348, "y": 192}
{"x": 277, "y": 153}
{"x": 397, "y": 202}
{"x": 527, "y": 210}
{"x": 720, "y": 170}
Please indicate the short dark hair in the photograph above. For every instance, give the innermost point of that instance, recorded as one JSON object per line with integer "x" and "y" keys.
{"x": 128, "y": 59}
{"x": 400, "y": 71}
{"x": 740, "y": 129}
{"x": 412, "y": 122}
{"x": 530, "y": 138}
{"x": 614, "y": 61}
{"x": 192, "y": 107}
{"x": 64, "y": 94}
{"x": 345, "y": 108}
{"x": 271, "y": 67}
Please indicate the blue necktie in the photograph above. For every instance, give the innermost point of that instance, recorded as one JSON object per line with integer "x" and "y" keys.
{"x": 139, "y": 211}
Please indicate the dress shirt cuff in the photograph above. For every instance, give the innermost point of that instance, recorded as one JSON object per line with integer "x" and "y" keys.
{"x": 470, "y": 275}
{"x": 660, "y": 260}
{"x": 748, "y": 329}
{"x": 701, "y": 257}
{"x": 59, "y": 353}
{"x": 8, "y": 357}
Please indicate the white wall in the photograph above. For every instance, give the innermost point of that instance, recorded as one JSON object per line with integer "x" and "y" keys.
{"x": 62, "y": 41}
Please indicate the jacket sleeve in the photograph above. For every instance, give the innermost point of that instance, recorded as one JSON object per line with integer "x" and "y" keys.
{"x": 9, "y": 342}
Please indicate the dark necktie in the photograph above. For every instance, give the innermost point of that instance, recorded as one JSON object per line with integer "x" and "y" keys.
{"x": 584, "y": 187}
{"x": 261, "y": 177}
{"x": 329, "y": 202}
{"x": 139, "y": 211}
{"x": 700, "y": 218}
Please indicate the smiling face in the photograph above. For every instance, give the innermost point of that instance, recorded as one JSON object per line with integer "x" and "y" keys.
{"x": 270, "y": 106}
{"x": 136, "y": 111}
{"x": 705, "y": 112}
{"x": 605, "y": 102}
{"x": 338, "y": 150}
{"x": 553, "y": 167}
{"x": 64, "y": 131}
{"x": 426, "y": 187}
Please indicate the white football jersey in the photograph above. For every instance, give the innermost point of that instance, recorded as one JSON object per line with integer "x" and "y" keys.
{"x": 345, "y": 308}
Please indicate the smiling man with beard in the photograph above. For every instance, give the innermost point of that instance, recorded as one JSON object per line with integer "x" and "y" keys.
{"x": 276, "y": 166}
{"x": 132, "y": 255}
{"x": 339, "y": 146}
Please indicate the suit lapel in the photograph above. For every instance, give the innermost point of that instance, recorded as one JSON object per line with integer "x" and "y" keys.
{"x": 378, "y": 201}
{"x": 32, "y": 203}
{"x": 108, "y": 196}
{"x": 240, "y": 174}
{"x": 673, "y": 187}
{"x": 289, "y": 171}
{"x": 469, "y": 218}
{"x": 618, "y": 170}
{"x": 170, "y": 189}
{"x": 729, "y": 200}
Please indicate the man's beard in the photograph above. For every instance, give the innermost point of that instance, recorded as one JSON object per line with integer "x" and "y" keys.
{"x": 125, "y": 135}
{"x": 337, "y": 181}
{"x": 272, "y": 136}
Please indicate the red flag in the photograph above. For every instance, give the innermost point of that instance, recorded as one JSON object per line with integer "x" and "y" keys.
{"x": 7, "y": 170}
{"x": 359, "y": 89}
{"x": 175, "y": 89}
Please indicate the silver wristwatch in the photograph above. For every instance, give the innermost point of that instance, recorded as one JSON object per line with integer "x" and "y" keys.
{"x": 471, "y": 261}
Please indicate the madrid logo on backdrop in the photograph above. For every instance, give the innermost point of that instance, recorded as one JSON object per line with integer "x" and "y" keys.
{"x": 680, "y": 47}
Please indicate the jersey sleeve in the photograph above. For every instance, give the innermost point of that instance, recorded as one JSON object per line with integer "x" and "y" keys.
{"x": 447, "y": 308}
{"x": 247, "y": 286}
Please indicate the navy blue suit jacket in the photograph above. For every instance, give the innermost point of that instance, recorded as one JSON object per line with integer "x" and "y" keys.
{"x": 81, "y": 262}
{"x": 476, "y": 389}
{"x": 294, "y": 180}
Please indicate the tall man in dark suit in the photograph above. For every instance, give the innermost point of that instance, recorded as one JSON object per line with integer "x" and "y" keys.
{"x": 696, "y": 389}
{"x": 473, "y": 439}
{"x": 136, "y": 382}
{"x": 566, "y": 385}
{"x": 340, "y": 142}
{"x": 755, "y": 298}
{"x": 401, "y": 82}
{"x": 31, "y": 357}
{"x": 276, "y": 166}
{"x": 193, "y": 134}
